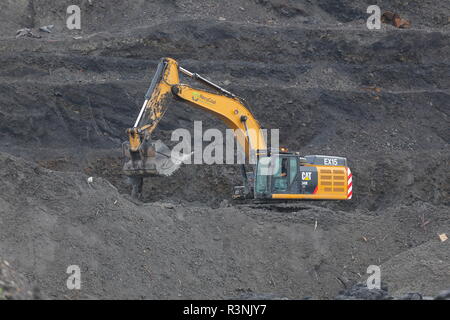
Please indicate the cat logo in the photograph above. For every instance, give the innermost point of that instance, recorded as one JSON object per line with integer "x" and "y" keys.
{"x": 306, "y": 176}
{"x": 195, "y": 96}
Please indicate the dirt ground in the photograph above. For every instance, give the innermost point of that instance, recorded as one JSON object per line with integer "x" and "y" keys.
{"x": 14, "y": 286}
{"x": 311, "y": 69}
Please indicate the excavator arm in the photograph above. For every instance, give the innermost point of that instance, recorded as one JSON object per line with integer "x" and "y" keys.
{"x": 146, "y": 159}
{"x": 223, "y": 104}
{"x": 155, "y": 104}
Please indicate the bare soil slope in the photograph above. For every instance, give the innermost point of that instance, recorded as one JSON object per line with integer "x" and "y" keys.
{"x": 161, "y": 250}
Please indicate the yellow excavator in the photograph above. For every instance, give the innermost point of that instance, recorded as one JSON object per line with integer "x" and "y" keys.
{"x": 276, "y": 175}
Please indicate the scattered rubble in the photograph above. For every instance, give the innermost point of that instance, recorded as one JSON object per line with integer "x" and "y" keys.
{"x": 395, "y": 20}
{"x": 14, "y": 286}
{"x": 26, "y": 32}
{"x": 360, "y": 292}
{"x": 443, "y": 237}
{"x": 443, "y": 295}
{"x": 47, "y": 29}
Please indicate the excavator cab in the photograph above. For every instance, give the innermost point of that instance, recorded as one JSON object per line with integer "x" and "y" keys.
{"x": 276, "y": 175}
{"x": 289, "y": 176}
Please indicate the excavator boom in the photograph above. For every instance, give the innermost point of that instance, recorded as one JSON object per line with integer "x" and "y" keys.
{"x": 231, "y": 111}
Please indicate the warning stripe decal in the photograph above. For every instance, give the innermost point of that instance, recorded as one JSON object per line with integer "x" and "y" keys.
{"x": 349, "y": 184}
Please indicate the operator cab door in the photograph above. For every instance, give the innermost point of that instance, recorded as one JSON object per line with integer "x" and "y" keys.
{"x": 291, "y": 177}
{"x": 284, "y": 175}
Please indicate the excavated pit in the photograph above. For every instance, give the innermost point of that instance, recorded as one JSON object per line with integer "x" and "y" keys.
{"x": 314, "y": 71}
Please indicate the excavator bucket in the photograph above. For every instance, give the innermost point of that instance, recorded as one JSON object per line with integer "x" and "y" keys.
{"x": 167, "y": 163}
{"x": 143, "y": 156}
{"x": 153, "y": 159}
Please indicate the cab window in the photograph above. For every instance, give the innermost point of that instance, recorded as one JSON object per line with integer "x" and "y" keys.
{"x": 282, "y": 170}
{"x": 262, "y": 174}
{"x": 280, "y": 178}
{"x": 293, "y": 168}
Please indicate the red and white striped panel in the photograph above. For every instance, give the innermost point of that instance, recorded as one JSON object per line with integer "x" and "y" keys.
{"x": 349, "y": 184}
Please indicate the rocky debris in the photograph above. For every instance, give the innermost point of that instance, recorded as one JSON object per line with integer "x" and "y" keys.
{"x": 31, "y": 33}
{"x": 395, "y": 20}
{"x": 417, "y": 269}
{"x": 443, "y": 295}
{"x": 13, "y": 286}
{"x": 286, "y": 8}
{"x": 26, "y": 32}
{"x": 413, "y": 296}
{"x": 47, "y": 29}
{"x": 360, "y": 292}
